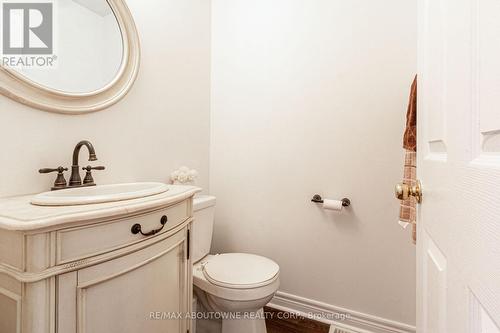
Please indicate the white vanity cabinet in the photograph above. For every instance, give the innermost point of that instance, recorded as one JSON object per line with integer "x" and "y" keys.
{"x": 80, "y": 269}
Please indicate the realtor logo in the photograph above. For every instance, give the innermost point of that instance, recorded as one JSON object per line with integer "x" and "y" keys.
{"x": 27, "y": 28}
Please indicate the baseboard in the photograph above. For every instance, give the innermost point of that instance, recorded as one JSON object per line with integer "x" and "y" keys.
{"x": 338, "y": 317}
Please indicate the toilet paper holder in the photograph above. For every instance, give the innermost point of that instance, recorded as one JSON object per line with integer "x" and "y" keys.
{"x": 318, "y": 199}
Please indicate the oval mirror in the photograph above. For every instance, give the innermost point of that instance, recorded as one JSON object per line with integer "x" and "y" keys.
{"x": 70, "y": 56}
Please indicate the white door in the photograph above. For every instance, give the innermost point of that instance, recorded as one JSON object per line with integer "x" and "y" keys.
{"x": 459, "y": 166}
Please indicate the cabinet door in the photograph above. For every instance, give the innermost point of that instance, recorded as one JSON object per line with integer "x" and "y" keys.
{"x": 134, "y": 293}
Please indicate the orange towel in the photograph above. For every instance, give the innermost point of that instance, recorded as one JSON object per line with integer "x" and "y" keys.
{"x": 408, "y": 210}
{"x": 410, "y": 136}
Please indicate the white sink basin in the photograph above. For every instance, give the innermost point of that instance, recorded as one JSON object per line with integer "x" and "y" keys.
{"x": 98, "y": 194}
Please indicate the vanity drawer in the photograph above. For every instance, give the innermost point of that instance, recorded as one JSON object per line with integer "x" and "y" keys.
{"x": 90, "y": 240}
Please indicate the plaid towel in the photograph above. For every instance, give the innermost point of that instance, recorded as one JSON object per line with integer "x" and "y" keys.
{"x": 408, "y": 210}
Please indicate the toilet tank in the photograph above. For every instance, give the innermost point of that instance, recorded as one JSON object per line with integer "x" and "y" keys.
{"x": 203, "y": 226}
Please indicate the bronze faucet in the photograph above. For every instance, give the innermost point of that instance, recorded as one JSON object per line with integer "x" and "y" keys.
{"x": 75, "y": 179}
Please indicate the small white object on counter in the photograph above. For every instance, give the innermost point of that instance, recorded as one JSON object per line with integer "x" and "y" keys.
{"x": 183, "y": 176}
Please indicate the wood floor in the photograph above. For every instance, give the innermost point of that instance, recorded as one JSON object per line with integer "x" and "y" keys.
{"x": 281, "y": 322}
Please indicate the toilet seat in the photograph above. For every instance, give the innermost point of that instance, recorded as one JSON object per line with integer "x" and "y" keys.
{"x": 240, "y": 270}
{"x": 228, "y": 276}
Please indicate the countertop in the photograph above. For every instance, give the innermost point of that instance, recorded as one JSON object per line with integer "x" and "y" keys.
{"x": 18, "y": 214}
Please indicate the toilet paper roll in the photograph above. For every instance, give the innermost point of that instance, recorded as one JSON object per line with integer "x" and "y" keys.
{"x": 332, "y": 205}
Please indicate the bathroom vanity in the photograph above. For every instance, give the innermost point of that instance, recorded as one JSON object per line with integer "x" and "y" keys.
{"x": 85, "y": 269}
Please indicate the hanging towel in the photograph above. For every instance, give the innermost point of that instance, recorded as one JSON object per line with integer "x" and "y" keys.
{"x": 410, "y": 136}
{"x": 408, "y": 210}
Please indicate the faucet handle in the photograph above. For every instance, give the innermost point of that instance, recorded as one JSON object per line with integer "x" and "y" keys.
{"x": 90, "y": 168}
{"x": 48, "y": 170}
{"x": 89, "y": 180}
{"x": 60, "y": 182}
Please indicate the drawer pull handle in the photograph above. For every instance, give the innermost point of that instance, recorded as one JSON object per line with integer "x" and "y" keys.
{"x": 136, "y": 228}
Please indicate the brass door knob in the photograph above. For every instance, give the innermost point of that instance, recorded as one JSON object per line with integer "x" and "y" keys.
{"x": 404, "y": 191}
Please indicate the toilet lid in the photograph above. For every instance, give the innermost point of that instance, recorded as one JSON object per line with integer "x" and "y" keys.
{"x": 240, "y": 270}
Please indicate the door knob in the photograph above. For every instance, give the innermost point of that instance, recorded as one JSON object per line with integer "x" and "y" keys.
{"x": 404, "y": 191}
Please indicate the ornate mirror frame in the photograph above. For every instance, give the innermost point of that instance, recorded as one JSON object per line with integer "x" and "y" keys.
{"x": 25, "y": 91}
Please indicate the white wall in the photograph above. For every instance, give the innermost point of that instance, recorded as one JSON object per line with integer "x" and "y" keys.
{"x": 309, "y": 96}
{"x": 161, "y": 124}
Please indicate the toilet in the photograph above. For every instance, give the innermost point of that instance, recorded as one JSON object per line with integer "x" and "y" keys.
{"x": 235, "y": 285}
